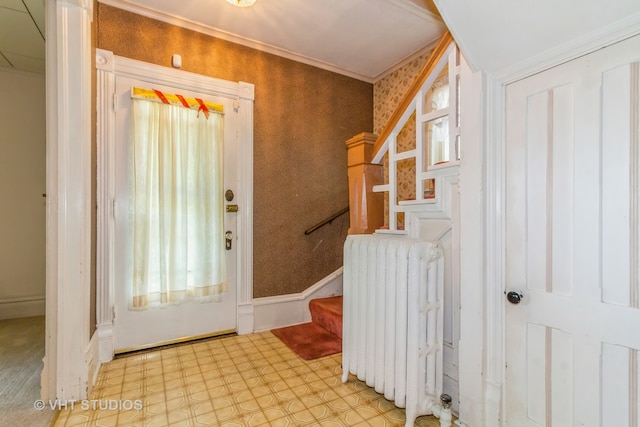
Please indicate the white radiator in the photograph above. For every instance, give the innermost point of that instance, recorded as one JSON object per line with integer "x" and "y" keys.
{"x": 392, "y": 319}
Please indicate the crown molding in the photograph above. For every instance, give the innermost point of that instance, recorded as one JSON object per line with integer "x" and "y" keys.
{"x": 233, "y": 38}
{"x": 417, "y": 7}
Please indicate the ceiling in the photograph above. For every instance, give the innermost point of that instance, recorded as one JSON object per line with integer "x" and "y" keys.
{"x": 506, "y": 38}
{"x": 363, "y": 39}
{"x": 22, "y": 35}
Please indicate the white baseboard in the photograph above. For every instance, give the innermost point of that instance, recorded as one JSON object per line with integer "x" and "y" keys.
{"x": 292, "y": 309}
{"x": 11, "y": 308}
{"x": 105, "y": 342}
{"x": 93, "y": 361}
{"x": 245, "y": 319}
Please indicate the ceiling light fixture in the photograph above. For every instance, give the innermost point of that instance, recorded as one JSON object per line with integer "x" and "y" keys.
{"x": 242, "y": 3}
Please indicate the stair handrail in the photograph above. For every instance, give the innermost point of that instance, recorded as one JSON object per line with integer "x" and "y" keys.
{"x": 381, "y": 145}
{"x": 327, "y": 220}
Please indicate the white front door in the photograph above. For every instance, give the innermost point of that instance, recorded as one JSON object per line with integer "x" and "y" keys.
{"x": 572, "y": 243}
{"x": 136, "y": 329}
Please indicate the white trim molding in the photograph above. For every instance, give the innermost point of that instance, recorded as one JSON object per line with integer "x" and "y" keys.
{"x": 286, "y": 310}
{"x": 105, "y": 182}
{"x": 234, "y": 38}
{"x": 472, "y": 187}
{"x": 65, "y": 374}
{"x": 109, "y": 67}
{"x": 246, "y": 96}
{"x": 495, "y": 253}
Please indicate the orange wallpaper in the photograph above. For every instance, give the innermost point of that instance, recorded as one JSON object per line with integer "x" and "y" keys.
{"x": 302, "y": 117}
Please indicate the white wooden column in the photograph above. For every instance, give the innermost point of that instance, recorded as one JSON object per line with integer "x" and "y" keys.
{"x": 246, "y": 95}
{"x": 105, "y": 128}
{"x": 68, "y": 55}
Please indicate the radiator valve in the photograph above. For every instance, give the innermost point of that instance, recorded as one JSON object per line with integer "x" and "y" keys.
{"x": 443, "y": 410}
{"x": 445, "y": 399}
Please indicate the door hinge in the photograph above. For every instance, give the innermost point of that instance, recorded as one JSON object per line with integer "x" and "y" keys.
{"x": 236, "y": 105}
{"x": 113, "y": 311}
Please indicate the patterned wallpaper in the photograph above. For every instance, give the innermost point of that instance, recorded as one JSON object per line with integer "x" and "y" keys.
{"x": 300, "y": 157}
{"x": 387, "y": 93}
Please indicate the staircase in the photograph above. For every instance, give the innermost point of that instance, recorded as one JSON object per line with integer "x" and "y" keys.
{"x": 320, "y": 337}
{"x": 327, "y": 313}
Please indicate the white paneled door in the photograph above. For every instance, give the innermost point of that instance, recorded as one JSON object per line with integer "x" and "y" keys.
{"x": 572, "y": 243}
{"x": 135, "y": 328}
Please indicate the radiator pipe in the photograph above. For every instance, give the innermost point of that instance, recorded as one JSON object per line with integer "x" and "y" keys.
{"x": 443, "y": 410}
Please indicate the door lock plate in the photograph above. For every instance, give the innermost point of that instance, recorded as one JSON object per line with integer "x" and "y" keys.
{"x": 228, "y": 238}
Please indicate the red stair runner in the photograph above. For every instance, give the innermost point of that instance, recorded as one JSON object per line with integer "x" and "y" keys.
{"x": 320, "y": 337}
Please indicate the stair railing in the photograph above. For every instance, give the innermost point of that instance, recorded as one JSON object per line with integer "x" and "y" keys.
{"x": 327, "y": 220}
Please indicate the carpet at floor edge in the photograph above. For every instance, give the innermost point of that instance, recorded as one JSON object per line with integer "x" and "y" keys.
{"x": 309, "y": 340}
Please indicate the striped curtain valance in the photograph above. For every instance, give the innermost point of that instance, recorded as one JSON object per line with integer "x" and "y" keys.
{"x": 177, "y": 99}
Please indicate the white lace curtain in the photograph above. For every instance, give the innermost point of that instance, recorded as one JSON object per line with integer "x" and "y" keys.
{"x": 177, "y": 208}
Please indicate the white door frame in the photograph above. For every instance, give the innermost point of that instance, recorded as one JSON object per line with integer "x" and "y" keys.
{"x": 68, "y": 218}
{"x": 108, "y": 67}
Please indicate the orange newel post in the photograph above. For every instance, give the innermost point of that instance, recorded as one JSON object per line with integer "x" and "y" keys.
{"x": 366, "y": 208}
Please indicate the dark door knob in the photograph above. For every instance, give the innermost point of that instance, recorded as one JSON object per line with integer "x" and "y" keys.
{"x": 514, "y": 297}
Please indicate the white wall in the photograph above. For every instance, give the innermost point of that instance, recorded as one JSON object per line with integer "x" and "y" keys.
{"x": 22, "y": 184}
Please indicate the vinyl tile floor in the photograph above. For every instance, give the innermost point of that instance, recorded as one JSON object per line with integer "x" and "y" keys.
{"x": 248, "y": 380}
